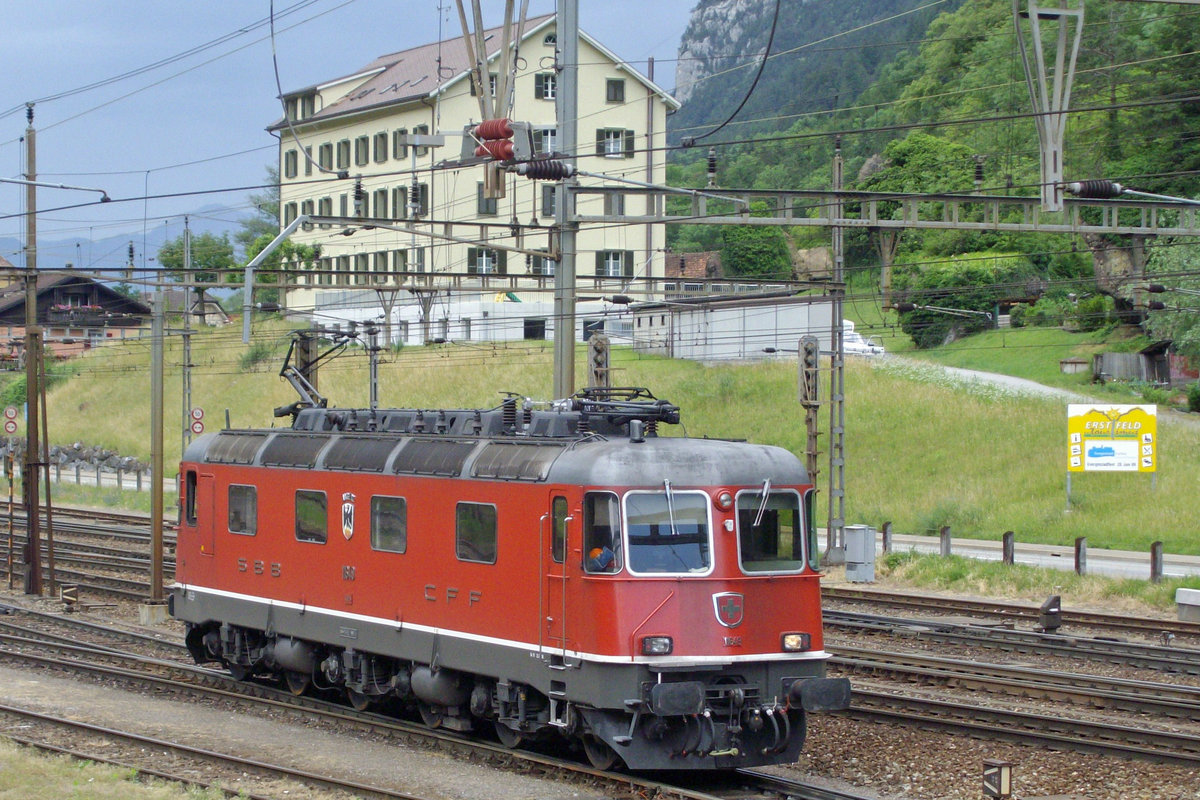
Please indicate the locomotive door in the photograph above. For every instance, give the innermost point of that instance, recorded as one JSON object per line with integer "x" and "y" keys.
{"x": 206, "y": 524}
{"x": 553, "y": 620}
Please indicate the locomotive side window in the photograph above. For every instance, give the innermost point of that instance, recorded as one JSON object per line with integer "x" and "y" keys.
{"x": 810, "y": 526}
{"x": 558, "y": 537}
{"x": 668, "y": 532}
{"x": 189, "y": 494}
{"x": 312, "y": 521}
{"x": 601, "y": 533}
{"x": 389, "y": 524}
{"x": 770, "y": 532}
{"x": 475, "y": 532}
{"x": 243, "y": 509}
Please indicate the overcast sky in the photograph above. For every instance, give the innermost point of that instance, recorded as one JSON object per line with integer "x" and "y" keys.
{"x": 198, "y": 123}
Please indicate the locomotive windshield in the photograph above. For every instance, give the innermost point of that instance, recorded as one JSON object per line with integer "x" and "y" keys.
{"x": 668, "y": 531}
{"x": 770, "y": 532}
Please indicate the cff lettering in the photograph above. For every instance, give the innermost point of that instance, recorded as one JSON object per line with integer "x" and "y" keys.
{"x": 451, "y": 594}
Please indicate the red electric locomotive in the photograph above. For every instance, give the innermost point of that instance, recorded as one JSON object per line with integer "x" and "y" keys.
{"x": 552, "y": 572}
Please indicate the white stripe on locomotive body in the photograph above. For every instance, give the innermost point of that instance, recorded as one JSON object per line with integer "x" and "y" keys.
{"x": 530, "y": 648}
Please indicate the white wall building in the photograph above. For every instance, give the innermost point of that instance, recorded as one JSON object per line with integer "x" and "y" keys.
{"x": 356, "y": 126}
{"x": 730, "y": 328}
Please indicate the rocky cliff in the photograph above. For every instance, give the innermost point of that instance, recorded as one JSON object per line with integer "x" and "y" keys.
{"x": 825, "y": 53}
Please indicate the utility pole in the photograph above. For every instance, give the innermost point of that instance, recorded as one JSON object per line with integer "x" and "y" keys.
{"x": 567, "y": 110}
{"x": 1050, "y": 89}
{"x": 154, "y": 609}
{"x": 835, "y": 552}
{"x": 33, "y": 352}
{"x": 186, "y": 433}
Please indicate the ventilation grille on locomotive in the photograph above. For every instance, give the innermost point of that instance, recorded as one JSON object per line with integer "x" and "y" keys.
{"x": 433, "y": 457}
{"x": 516, "y": 461}
{"x": 234, "y": 448}
{"x": 293, "y": 450}
{"x": 359, "y": 453}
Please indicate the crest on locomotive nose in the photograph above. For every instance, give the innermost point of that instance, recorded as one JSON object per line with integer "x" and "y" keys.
{"x": 348, "y": 514}
{"x": 730, "y": 608}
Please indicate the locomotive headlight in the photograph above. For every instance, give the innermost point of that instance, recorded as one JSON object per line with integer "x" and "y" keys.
{"x": 724, "y": 500}
{"x": 796, "y": 642}
{"x": 657, "y": 645}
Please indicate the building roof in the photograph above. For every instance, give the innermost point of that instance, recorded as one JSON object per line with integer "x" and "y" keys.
{"x": 409, "y": 75}
{"x": 12, "y": 296}
{"x": 699, "y": 266}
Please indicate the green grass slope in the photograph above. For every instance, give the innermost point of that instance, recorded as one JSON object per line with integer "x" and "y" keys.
{"x": 922, "y": 450}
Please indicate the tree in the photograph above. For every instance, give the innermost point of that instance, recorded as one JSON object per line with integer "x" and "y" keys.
{"x": 265, "y": 219}
{"x": 287, "y": 252}
{"x": 1179, "y": 322}
{"x": 212, "y": 256}
{"x": 755, "y": 251}
{"x": 975, "y": 282}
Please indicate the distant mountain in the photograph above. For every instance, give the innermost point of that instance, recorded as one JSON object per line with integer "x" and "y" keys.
{"x": 113, "y": 251}
{"x": 825, "y": 53}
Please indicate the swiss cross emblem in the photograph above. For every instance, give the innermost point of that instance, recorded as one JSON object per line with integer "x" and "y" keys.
{"x": 348, "y": 515}
{"x": 729, "y": 607}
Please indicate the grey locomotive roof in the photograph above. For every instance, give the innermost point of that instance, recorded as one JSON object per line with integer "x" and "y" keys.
{"x": 600, "y": 437}
{"x": 622, "y": 462}
{"x": 588, "y": 461}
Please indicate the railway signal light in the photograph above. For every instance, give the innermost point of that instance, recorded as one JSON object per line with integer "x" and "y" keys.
{"x": 810, "y": 374}
{"x": 598, "y": 354}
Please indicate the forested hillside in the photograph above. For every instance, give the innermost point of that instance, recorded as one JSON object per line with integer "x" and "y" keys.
{"x": 961, "y": 97}
{"x": 824, "y": 54}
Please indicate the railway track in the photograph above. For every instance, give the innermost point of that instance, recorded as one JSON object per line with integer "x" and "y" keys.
{"x": 1114, "y": 651}
{"x": 1054, "y": 731}
{"x": 195, "y": 754}
{"x": 29, "y": 645}
{"x": 1138, "y": 697}
{"x": 1022, "y": 612}
{"x": 874, "y": 703}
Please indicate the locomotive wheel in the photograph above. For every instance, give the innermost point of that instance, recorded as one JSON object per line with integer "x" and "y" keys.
{"x": 297, "y": 682}
{"x": 507, "y": 736}
{"x": 598, "y": 753}
{"x": 358, "y": 700}
{"x": 431, "y": 715}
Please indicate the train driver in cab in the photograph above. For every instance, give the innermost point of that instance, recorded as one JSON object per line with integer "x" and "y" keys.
{"x": 601, "y": 533}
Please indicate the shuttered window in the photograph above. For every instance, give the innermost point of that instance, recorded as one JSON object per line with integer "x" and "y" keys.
{"x": 614, "y": 143}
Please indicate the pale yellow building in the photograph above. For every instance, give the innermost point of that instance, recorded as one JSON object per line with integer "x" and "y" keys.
{"x": 355, "y": 126}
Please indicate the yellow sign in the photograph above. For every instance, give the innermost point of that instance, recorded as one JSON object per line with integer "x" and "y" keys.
{"x": 1112, "y": 438}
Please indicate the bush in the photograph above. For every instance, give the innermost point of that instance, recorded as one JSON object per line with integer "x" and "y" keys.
{"x": 14, "y": 393}
{"x": 1156, "y": 395}
{"x": 1193, "y": 396}
{"x": 1047, "y": 312}
{"x": 257, "y": 354}
{"x": 1092, "y": 313}
{"x": 1016, "y": 315}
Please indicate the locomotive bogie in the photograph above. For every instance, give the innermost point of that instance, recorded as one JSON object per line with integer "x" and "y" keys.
{"x": 654, "y": 600}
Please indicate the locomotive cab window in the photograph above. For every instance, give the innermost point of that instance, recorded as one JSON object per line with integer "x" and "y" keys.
{"x": 475, "y": 532}
{"x": 601, "y": 533}
{"x": 770, "y": 531}
{"x": 243, "y": 509}
{"x": 668, "y": 532}
{"x": 312, "y": 520}
{"x": 189, "y": 497}
{"x": 389, "y": 524}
